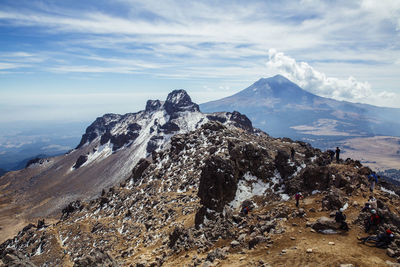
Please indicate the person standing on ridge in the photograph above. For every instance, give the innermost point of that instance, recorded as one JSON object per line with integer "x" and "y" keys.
{"x": 331, "y": 154}
{"x": 373, "y": 180}
{"x": 337, "y": 154}
{"x": 292, "y": 152}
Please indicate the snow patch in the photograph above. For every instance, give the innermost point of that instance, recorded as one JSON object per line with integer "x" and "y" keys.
{"x": 315, "y": 192}
{"x": 285, "y": 197}
{"x": 39, "y": 250}
{"x": 388, "y": 191}
{"x": 248, "y": 187}
{"x": 102, "y": 152}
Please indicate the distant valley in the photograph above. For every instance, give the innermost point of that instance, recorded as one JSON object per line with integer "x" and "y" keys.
{"x": 21, "y": 142}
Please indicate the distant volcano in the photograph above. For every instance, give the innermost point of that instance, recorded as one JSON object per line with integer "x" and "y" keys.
{"x": 283, "y": 109}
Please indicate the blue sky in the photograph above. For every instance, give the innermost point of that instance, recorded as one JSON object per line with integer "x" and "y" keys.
{"x": 76, "y": 60}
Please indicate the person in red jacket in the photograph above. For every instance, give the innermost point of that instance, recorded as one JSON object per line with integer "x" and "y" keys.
{"x": 298, "y": 196}
{"x": 373, "y": 221}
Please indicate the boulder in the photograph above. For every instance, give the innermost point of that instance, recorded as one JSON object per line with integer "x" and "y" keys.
{"x": 334, "y": 200}
{"x": 235, "y": 243}
{"x": 325, "y": 223}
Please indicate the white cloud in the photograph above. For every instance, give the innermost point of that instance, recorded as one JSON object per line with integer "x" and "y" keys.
{"x": 317, "y": 82}
{"x": 5, "y": 66}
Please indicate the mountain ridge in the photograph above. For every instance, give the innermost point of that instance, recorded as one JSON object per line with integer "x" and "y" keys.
{"x": 109, "y": 149}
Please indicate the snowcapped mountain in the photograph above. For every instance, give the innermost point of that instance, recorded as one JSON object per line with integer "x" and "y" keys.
{"x": 283, "y": 109}
{"x": 107, "y": 153}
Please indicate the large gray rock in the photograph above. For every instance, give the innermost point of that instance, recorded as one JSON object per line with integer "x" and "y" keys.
{"x": 325, "y": 223}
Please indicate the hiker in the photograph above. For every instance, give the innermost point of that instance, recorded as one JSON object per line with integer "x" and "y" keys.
{"x": 367, "y": 207}
{"x": 245, "y": 210}
{"x": 341, "y": 218}
{"x": 292, "y": 152}
{"x": 337, "y": 154}
{"x": 373, "y": 179}
{"x": 373, "y": 203}
{"x": 331, "y": 154}
{"x": 298, "y": 196}
{"x": 381, "y": 240}
{"x": 373, "y": 221}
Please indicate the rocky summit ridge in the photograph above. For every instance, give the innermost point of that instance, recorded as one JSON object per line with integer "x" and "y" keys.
{"x": 181, "y": 207}
{"x": 111, "y": 146}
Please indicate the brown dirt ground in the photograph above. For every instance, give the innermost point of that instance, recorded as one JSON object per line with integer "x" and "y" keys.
{"x": 297, "y": 239}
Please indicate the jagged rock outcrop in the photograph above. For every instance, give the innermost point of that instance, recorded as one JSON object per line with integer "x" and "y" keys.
{"x": 218, "y": 183}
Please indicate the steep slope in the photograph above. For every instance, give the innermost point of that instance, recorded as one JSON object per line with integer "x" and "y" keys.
{"x": 281, "y": 108}
{"x": 109, "y": 149}
{"x": 181, "y": 208}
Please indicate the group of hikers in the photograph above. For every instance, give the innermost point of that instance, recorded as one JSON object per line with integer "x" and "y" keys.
{"x": 374, "y": 220}
{"x": 336, "y": 153}
{"x": 371, "y": 224}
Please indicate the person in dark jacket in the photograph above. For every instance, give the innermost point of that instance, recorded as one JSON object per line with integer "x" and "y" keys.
{"x": 381, "y": 240}
{"x": 292, "y": 153}
{"x": 341, "y": 218}
{"x": 367, "y": 207}
{"x": 331, "y": 154}
{"x": 373, "y": 180}
{"x": 337, "y": 154}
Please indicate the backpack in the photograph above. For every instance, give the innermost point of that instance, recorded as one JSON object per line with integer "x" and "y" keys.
{"x": 340, "y": 217}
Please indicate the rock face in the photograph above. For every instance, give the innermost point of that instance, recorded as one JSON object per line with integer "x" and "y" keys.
{"x": 218, "y": 183}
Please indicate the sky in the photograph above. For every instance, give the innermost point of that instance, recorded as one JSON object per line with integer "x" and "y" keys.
{"x": 76, "y": 60}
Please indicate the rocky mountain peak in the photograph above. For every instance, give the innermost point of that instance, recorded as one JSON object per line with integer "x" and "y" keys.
{"x": 179, "y": 97}
{"x": 153, "y": 105}
{"x": 178, "y": 101}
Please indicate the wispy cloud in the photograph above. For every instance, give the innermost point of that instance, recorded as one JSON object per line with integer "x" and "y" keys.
{"x": 5, "y": 66}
